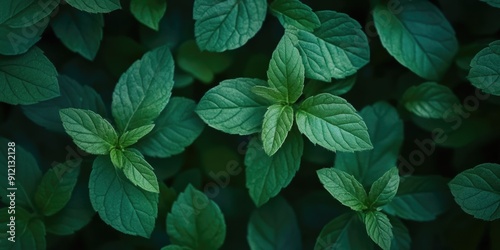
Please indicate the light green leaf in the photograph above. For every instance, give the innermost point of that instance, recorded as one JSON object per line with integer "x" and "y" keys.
{"x": 336, "y": 87}
{"x": 79, "y": 31}
{"x": 344, "y": 232}
{"x": 196, "y": 222}
{"x": 132, "y": 136}
{"x": 344, "y": 187}
{"x": 420, "y": 198}
{"x": 27, "y": 174}
{"x": 274, "y": 226}
{"x": 278, "y": 121}
{"x": 484, "y": 73}
{"x": 233, "y": 108}
{"x": 379, "y": 228}
{"x": 143, "y": 90}
{"x": 125, "y": 207}
{"x": 56, "y": 186}
{"x": 202, "y": 6}
{"x": 477, "y": 191}
{"x": 228, "y": 25}
{"x": 295, "y": 13}
{"x": 175, "y": 129}
{"x": 401, "y": 239}
{"x": 333, "y": 123}
{"x": 29, "y": 231}
{"x": 73, "y": 95}
{"x": 429, "y": 100}
{"x": 418, "y": 36}
{"x": 89, "y": 131}
{"x": 286, "y": 71}
{"x": 267, "y": 175}
{"x": 384, "y": 189}
{"x": 494, "y": 3}
{"x": 95, "y": 6}
{"x": 149, "y": 12}
{"x": 28, "y": 78}
{"x": 137, "y": 170}
{"x": 271, "y": 94}
{"x": 338, "y": 48}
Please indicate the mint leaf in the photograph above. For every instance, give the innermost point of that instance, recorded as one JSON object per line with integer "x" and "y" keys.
{"x": 379, "y": 228}
{"x": 195, "y": 221}
{"x": 418, "y": 36}
{"x": 79, "y": 31}
{"x": 429, "y": 100}
{"x": 138, "y": 170}
{"x": 494, "y": 3}
{"x": 56, "y": 186}
{"x": 89, "y": 131}
{"x": 338, "y": 48}
{"x": 132, "y": 136}
{"x": 125, "y": 207}
{"x": 401, "y": 239}
{"x": 228, "y": 25}
{"x": 143, "y": 90}
{"x": 420, "y": 198}
{"x": 384, "y": 189}
{"x": 333, "y": 123}
{"x": 484, "y": 73}
{"x": 175, "y": 129}
{"x": 73, "y": 95}
{"x": 477, "y": 191}
{"x": 27, "y": 175}
{"x": 95, "y": 6}
{"x": 278, "y": 121}
{"x": 270, "y": 94}
{"x": 386, "y": 133}
{"x": 201, "y": 7}
{"x": 14, "y": 42}
{"x": 286, "y": 71}
{"x": 274, "y": 226}
{"x": 267, "y": 175}
{"x": 344, "y": 232}
{"x": 28, "y": 78}
{"x": 336, "y": 87}
{"x": 295, "y": 13}
{"x": 233, "y": 108}
{"x": 149, "y": 12}
{"x": 343, "y": 187}
{"x": 29, "y": 232}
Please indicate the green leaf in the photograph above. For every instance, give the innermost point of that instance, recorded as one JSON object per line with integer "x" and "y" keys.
{"x": 132, "y": 136}
{"x": 386, "y": 133}
{"x": 149, "y": 12}
{"x": 418, "y": 36}
{"x": 175, "y": 129}
{"x": 29, "y": 231}
{"x": 379, "y": 228}
{"x": 203, "y": 65}
{"x": 295, "y": 13}
{"x": 228, "y": 25}
{"x": 286, "y": 71}
{"x": 333, "y": 123}
{"x": 344, "y": 232}
{"x": 196, "y": 222}
{"x": 420, "y": 198}
{"x": 477, "y": 191}
{"x": 89, "y": 131}
{"x": 336, "y": 87}
{"x": 79, "y": 31}
{"x": 117, "y": 158}
{"x": 233, "y": 108}
{"x": 138, "y": 170}
{"x": 274, "y": 226}
{"x": 13, "y": 41}
{"x": 73, "y": 95}
{"x": 175, "y": 247}
{"x": 95, "y": 6}
{"x": 28, "y": 78}
{"x": 270, "y": 94}
{"x": 401, "y": 239}
{"x": 278, "y": 121}
{"x": 484, "y": 73}
{"x": 429, "y": 100}
{"x": 494, "y": 3}
{"x": 344, "y": 187}
{"x": 267, "y": 175}
{"x": 384, "y": 189}
{"x": 56, "y": 186}
{"x": 338, "y": 48}
{"x": 143, "y": 90}
{"x": 125, "y": 207}
{"x": 27, "y": 175}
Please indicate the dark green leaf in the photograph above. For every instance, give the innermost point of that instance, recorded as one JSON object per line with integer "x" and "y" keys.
{"x": 344, "y": 187}
{"x": 344, "y": 232}
{"x": 401, "y": 239}
{"x": 429, "y": 100}
{"x": 295, "y": 13}
{"x": 149, "y": 12}
{"x": 95, "y": 6}
{"x": 29, "y": 231}
{"x": 336, "y": 87}
{"x": 379, "y": 228}
{"x": 494, "y": 3}
{"x": 484, "y": 73}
